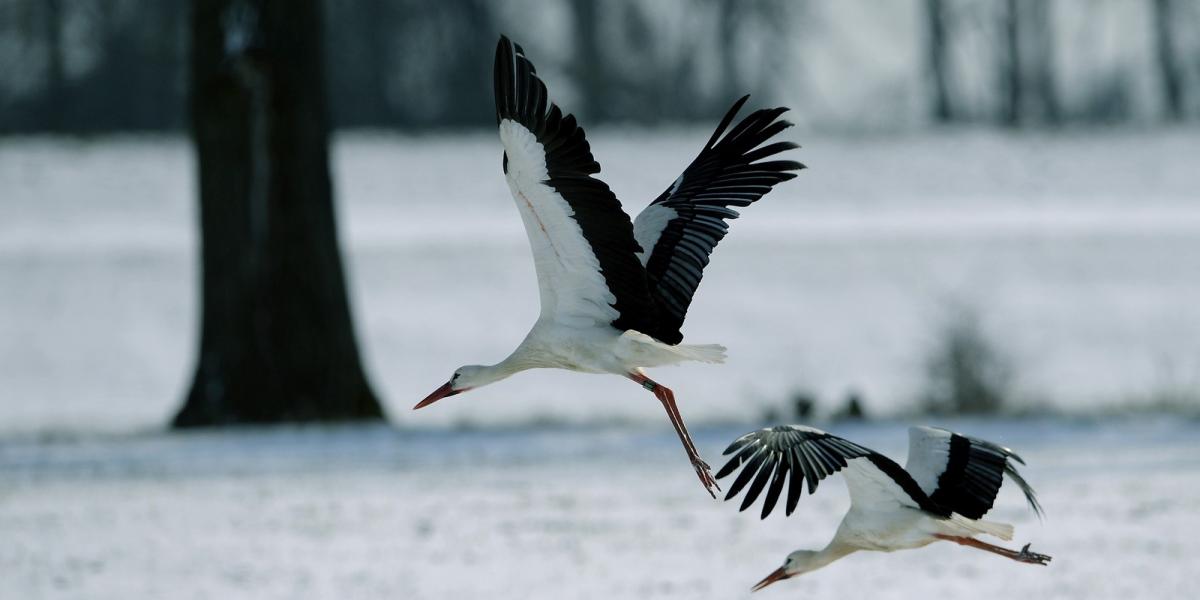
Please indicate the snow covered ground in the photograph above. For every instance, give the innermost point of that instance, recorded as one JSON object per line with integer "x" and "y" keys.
{"x": 1081, "y": 251}
{"x": 578, "y": 513}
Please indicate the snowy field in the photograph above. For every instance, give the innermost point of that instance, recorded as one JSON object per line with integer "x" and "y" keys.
{"x": 1081, "y": 252}
{"x": 571, "y": 514}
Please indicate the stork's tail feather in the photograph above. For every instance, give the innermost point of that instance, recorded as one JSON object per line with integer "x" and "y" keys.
{"x": 640, "y": 349}
{"x": 709, "y": 353}
{"x": 1003, "y": 531}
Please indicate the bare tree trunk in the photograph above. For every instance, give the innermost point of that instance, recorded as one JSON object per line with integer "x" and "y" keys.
{"x": 729, "y": 14}
{"x": 589, "y": 68}
{"x": 1041, "y": 23}
{"x": 377, "y": 27}
{"x": 939, "y": 63}
{"x": 470, "y": 76}
{"x": 54, "y": 98}
{"x": 1168, "y": 60}
{"x": 781, "y": 15}
{"x": 277, "y": 342}
{"x": 1011, "y": 84}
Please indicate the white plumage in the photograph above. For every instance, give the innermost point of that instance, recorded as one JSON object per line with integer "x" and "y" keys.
{"x": 950, "y": 482}
{"x": 572, "y": 289}
{"x": 649, "y": 225}
{"x": 614, "y": 294}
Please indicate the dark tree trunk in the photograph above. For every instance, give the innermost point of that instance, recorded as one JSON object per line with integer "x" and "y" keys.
{"x": 470, "y": 73}
{"x": 589, "y": 72}
{"x": 360, "y": 36}
{"x": 54, "y": 100}
{"x": 277, "y": 342}
{"x": 729, "y": 13}
{"x": 1168, "y": 61}
{"x": 1041, "y": 23}
{"x": 1011, "y": 82}
{"x": 377, "y": 27}
{"x": 939, "y": 61}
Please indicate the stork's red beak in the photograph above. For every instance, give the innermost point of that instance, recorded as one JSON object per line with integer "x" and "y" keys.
{"x": 443, "y": 392}
{"x": 776, "y": 575}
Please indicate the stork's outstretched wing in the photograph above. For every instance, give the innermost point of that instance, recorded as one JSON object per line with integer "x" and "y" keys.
{"x": 875, "y": 481}
{"x": 963, "y": 474}
{"x": 680, "y": 229}
{"x": 583, "y": 245}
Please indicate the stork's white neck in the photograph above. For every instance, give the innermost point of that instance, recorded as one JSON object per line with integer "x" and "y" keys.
{"x": 804, "y": 561}
{"x": 835, "y": 550}
{"x": 473, "y": 376}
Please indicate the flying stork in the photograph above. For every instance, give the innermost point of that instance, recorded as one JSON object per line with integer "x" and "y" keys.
{"x": 613, "y": 292}
{"x": 949, "y": 483}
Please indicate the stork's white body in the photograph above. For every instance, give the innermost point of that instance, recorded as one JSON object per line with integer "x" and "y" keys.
{"x": 887, "y": 529}
{"x": 614, "y": 292}
{"x": 884, "y": 530}
{"x": 573, "y": 330}
{"x": 949, "y": 483}
{"x": 599, "y": 349}
{"x": 883, "y": 518}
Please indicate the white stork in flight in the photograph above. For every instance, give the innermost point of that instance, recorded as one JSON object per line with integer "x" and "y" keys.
{"x": 949, "y": 483}
{"x": 613, "y": 292}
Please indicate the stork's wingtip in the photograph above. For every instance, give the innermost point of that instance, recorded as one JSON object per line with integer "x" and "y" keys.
{"x": 1037, "y": 510}
{"x": 506, "y": 44}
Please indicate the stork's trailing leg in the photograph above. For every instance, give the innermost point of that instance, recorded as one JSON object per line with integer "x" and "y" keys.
{"x": 1024, "y": 555}
{"x": 667, "y": 397}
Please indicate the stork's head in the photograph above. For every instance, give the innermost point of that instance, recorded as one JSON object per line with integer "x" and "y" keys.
{"x": 797, "y": 563}
{"x": 464, "y": 379}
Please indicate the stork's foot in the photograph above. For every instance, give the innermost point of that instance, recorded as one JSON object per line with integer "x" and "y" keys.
{"x": 1024, "y": 555}
{"x": 1032, "y": 558}
{"x": 703, "y": 471}
{"x": 667, "y": 397}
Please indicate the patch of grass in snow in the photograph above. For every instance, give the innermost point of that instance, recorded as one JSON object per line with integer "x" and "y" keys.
{"x": 966, "y": 371}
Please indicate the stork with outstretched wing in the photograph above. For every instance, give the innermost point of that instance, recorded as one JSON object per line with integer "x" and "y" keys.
{"x": 949, "y": 484}
{"x": 614, "y": 293}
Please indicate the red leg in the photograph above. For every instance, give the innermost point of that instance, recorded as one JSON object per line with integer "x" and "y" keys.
{"x": 667, "y": 397}
{"x": 1024, "y": 555}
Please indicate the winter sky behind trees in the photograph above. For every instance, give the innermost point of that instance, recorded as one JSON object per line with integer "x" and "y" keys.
{"x": 112, "y": 65}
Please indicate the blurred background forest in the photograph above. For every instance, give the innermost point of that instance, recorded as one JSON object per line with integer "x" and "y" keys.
{"x": 1025, "y": 239}
{"x": 96, "y": 66}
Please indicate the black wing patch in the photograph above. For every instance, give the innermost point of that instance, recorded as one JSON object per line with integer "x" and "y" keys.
{"x": 521, "y": 96}
{"x": 728, "y": 172}
{"x": 790, "y": 455}
{"x": 975, "y": 469}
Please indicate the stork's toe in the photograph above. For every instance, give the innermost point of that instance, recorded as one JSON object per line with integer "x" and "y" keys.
{"x": 1032, "y": 558}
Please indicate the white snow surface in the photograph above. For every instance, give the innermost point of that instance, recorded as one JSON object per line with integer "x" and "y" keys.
{"x": 374, "y": 512}
{"x": 1080, "y": 250}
